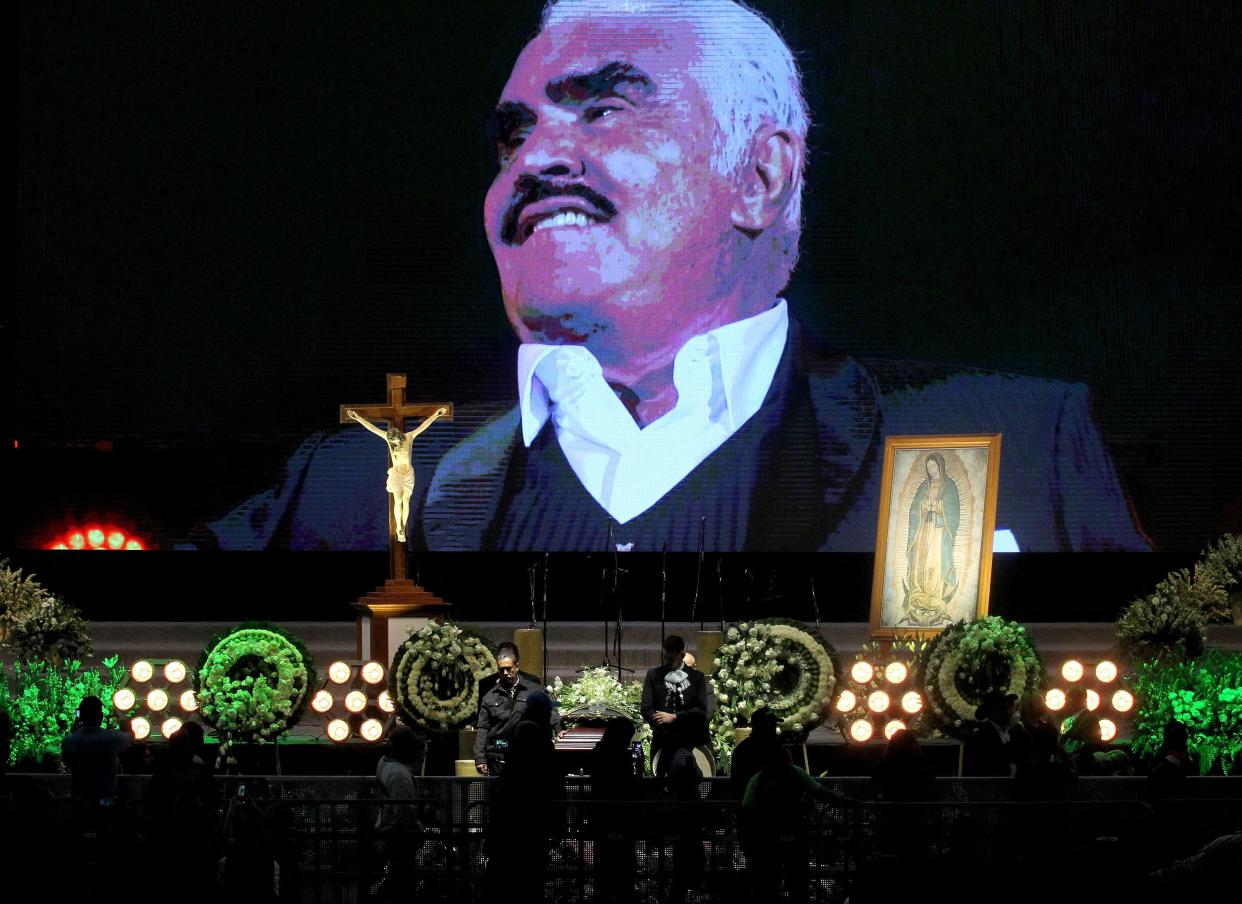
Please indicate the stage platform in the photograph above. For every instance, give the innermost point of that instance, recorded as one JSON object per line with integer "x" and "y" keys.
{"x": 572, "y": 644}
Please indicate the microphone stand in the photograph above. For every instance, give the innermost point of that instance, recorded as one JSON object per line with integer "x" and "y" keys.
{"x": 545, "y": 618}
{"x": 814, "y": 603}
{"x": 719, "y": 594}
{"x": 698, "y": 574}
{"x": 663, "y": 591}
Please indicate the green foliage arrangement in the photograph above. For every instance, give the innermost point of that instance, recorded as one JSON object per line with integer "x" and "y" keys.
{"x": 434, "y": 679}
{"x": 1204, "y": 694}
{"x": 1170, "y": 622}
{"x": 253, "y": 683}
{"x": 779, "y": 663}
{"x": 35, "y": 625}
{"x": 43, "y": 701}
{"x": 597, "y": 695}
{"x": 970, "y": 658}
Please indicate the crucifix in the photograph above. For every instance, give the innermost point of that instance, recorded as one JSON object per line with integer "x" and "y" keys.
{"x": 399, "y": 596}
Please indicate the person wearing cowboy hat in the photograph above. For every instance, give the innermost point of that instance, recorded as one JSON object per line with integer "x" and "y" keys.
{"x": 995, "y": 745}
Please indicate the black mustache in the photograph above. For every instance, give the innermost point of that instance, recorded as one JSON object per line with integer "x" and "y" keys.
{"x": 532, "y": 189}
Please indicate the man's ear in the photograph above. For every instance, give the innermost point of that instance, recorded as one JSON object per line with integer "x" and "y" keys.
{"x": 769, "y": 180}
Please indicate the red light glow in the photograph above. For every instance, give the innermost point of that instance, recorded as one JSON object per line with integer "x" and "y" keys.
{"x": 97, "y": 537}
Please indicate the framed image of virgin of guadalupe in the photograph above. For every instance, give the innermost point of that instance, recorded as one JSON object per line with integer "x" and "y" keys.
{"x": 933, "y": 553}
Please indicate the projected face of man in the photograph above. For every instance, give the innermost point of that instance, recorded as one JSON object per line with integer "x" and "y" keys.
{"x": 608, "y": 223}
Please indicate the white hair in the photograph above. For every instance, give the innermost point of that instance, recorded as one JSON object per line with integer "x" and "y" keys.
{"x": 745, "y": 68}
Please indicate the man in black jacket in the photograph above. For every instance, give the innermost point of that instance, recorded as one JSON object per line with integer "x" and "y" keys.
{"x": 500, "y": 711}
{"x": 673, "y": 691}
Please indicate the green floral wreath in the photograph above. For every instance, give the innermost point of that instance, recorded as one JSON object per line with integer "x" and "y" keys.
{"x": 969, "y": 659}
{"x": 778, "y": 663}
{"x": 253, "y": 683}
{"x": 434, "y": 679}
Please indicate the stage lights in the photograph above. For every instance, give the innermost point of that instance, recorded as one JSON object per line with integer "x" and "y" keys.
{"x": 353, "y": 701}
{"x": 96, "y": 537}
{"x": 862, "y": 672}
{"x": 912, "y": 702}
{"x": 895, "y": 672}
{"x": 861, "y": 731}
{"x": 846, "y": 702}
{"x": 153, "y": 692}
{"x": 893, "y": 726}
{"x": 1113, "y": 704}
{"x": 878, "y": 702}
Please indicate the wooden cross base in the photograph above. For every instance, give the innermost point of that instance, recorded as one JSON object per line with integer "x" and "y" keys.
{"x": 397, "y": 598}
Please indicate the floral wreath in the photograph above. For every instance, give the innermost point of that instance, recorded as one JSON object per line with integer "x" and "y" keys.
{"x": 434, "y": 679}
{"x": 778, "y": 663}
{"x": 597, "y": 695}
{"x": 253, "y": 683}
{"x": 969, "y": 659}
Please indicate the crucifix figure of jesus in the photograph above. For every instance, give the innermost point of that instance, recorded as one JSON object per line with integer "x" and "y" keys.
{"x": 400, "y": 442}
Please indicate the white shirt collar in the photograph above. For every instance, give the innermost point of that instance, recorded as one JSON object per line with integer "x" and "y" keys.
{"x": 721, "y": 377}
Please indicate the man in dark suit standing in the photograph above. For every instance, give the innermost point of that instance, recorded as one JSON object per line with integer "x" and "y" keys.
{"x": 500, "y": 711}
{"x": 673, "y": 691}
{"x": 998, "y": 740}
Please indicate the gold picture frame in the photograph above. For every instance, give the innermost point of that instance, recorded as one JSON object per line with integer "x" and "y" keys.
{"x": 933, "y": 548}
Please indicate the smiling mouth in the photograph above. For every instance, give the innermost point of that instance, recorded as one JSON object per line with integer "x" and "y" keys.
{"x": 563, "y": 218}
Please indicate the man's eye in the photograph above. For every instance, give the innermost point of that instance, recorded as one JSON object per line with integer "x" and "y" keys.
{"x": 594, "y": 113}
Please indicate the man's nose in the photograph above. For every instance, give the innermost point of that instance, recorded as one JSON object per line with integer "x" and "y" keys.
{"x": 551, "y": 150}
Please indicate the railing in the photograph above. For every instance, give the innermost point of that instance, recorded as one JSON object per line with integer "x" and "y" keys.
{"x": 334, "y": 852}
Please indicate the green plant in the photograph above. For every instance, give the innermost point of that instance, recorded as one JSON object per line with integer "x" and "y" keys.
{"x": 43, "y": 701}
{"x": 253, "y": 684}
{"x": 1222, "y": 566}
{"x": 1204, "y": 694}
{"x": 35, "y": 625}
{"x": 1169, "y": 623}
{"x": 968, "y": 659}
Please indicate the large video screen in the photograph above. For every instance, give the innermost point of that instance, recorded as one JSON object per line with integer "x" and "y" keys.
{"x": 657, "y": 276}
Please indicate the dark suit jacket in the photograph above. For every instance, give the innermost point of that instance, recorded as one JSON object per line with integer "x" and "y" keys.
{"x": 816, "y": 483}
{"x": 655, "y": 699}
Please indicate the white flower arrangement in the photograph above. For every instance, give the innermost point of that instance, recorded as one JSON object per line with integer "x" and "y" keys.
{"x": 780, "y": 664}
{"x": 969, "y": 659}
{"x": 434, "y": 679}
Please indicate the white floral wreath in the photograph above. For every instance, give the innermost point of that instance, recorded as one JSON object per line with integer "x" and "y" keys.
{"x": 435, "y": 659}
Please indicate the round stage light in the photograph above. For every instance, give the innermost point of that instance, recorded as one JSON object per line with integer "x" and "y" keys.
{"x": 1072, "y": 670}
{"x": 134, "y": 544}
{"x": 895, "y": 672}
{"x": 339, "y": 672}
{"x": 912, "y": 702}
{"x": 862, "y": 672}
{"x": 385, "y": 702}
{"x": 372, "y": 673}
{"x": 116, "y": 540}
{"x": 878, "y": 702}
{"x": 1108, "y": 730}
{"x": 355, "y": 701}
{"x": 76, "y": 540}
{"x": 322, "y": 702}
{"x": 175, "y": 671}
{"x": 861, "y": 730}
{"x": 189, "y": 702}
{"x": 1055, "y": 699}
{"x": 893, "y": 727}
{"x": 1123, "y": 701}
{"x": 124, "y": 699}
{"x": 140, "y": 727}
{"x": 170, "y": 726}
{"x": 58, "y": 546}
{"x": 371, "y": 730}
{"x": 1106, "y": 671}
{"x": 1093, "y": 700}
{"x": 846, "y": 702}
{"x": 142, "y": 670}
{"x": 95, "y": 538}
{"x": 338, "y": 730}
{"x": 157, "y": 700}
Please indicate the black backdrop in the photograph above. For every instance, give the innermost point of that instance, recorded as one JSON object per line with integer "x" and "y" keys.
{"x": 234, "y": 216}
